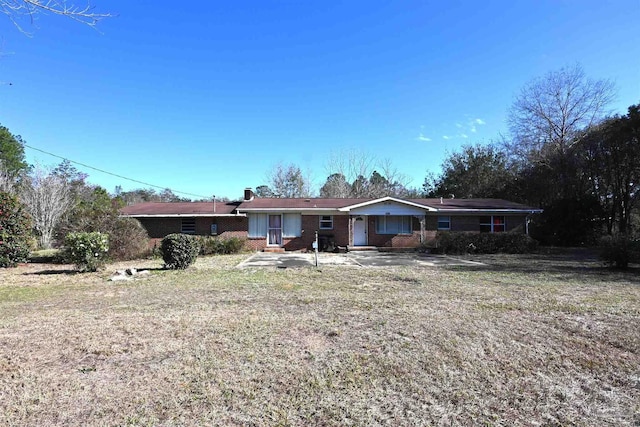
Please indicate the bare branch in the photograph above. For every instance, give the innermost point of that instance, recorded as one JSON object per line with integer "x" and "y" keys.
{"x": 15, "y": 10}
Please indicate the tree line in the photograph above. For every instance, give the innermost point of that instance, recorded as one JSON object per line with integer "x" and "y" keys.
{"x": 564, "y": 154}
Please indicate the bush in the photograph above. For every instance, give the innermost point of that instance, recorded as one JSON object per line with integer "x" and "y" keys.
{"x": 15, "y": 231}
{"x": 483, "y": 243}
{"x": 217, "y": 246}
{"x": 618, "y": 251}
{"x": 179, "y": 251}
{"x": 127, "y": 239}
{"x": 88, "y": 251}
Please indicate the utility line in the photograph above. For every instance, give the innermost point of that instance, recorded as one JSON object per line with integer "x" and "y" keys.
{"x": 115, "y": 174}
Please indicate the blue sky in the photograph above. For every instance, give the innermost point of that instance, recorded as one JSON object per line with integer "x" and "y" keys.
{"x": 205, "y": 97}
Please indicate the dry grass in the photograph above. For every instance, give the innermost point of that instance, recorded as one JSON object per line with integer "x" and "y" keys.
{"x": 545, "y": 340}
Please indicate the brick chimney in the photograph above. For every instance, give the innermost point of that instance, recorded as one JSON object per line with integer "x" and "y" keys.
{"x": 248, "y": 194}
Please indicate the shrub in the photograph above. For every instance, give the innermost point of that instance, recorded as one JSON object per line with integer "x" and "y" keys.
{"x": 217, "y": 246}
{"x": 483, "y": 243}
{"x": 179, "y": 251}
{"x": 88, "y": 251}
{"x": 127, "y": 239}
{"x": 15, "y": 231}
{"x": 618, "y": 251}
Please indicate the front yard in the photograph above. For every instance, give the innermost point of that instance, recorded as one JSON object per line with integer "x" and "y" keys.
{"x": 529, "y": 340}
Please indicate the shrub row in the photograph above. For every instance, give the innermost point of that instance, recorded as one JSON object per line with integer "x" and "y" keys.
{"x": 483, "y": 243}
{"x": 217, "y": 246}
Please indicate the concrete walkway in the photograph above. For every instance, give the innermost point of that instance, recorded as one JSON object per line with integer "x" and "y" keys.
{"x": 361, "y": 259}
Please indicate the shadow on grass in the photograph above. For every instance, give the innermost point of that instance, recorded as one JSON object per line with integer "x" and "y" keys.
{"x": 572, "y": 263}
{"x": 51, "y": 272}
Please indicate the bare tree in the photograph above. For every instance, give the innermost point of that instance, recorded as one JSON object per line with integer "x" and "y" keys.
{"x": 16, "y": 10}
{"x": 7, "y": 183}
{"x": 47, "y": 197}
{"x": 550, "y": 112}
{"x": 550, "y": 116}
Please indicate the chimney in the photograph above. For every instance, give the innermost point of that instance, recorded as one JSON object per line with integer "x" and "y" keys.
{"x": 248, "y": 194}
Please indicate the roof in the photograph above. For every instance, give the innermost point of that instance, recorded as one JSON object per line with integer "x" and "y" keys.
{"x": 448, "y": 205}
{"x": 165, "y": 209}
{"x": 300, "y": 204}
{"x": 474, "y": 204}
{"x": 169, "y": 209}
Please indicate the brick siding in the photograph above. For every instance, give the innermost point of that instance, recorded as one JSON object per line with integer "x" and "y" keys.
{"x": 340, "y": 234}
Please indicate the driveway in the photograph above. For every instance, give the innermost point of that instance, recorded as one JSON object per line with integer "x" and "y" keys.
{"x": 357, "y": 259}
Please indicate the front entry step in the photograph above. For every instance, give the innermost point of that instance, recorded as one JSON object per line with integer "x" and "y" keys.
{"x": 362, "y": 248}
{"x": 274, "y": 249}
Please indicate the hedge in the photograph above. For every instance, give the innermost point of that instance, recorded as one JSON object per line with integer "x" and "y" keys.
{"x": 449, "y": 242}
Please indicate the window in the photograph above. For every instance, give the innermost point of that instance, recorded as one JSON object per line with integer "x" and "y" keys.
{"x": 492, "y": 224}
{"x": 393, "y": 224}
{"x": 326, "y": 222}
{"x": 292, "y": 225}
{"x": 257, "y": 225}
{"x": 287, "y": 225}
{"x": 444, "y": 223}
{"x": 188, "y": 226}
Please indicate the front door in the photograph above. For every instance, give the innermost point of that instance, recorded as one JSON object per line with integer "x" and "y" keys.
{"x": 274, "y": 232}
{"x": 360, "y": 231}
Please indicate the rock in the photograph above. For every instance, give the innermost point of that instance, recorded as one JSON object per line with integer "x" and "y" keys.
{"x": 119, "y": 278}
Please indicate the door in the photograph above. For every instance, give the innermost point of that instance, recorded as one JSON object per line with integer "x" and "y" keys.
{"x": 274, "y": 232}
{"x": 360, "y": 232}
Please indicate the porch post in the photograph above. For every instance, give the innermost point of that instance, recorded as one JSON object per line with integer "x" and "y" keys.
{"x": 351, "y": 219}
{"x": 423, "y": 227}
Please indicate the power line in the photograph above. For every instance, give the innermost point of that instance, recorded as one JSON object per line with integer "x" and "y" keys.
{"x": 115, "y": 174}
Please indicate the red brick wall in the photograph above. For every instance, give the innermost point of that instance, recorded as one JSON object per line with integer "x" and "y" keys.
{"x": 394, "y": 240}
{"x": 227, "y": 226}
{"x": 472, "y": 223}
{"x": 238, "y": 227}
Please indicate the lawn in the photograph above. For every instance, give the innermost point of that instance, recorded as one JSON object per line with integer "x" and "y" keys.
{"x": 528, "y": 340}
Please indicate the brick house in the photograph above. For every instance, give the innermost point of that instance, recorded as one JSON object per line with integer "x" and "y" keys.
{"x": 291, "y": 224}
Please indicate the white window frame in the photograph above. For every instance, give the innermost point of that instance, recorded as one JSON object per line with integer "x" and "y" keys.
{"x": 190, "y": 224}
{"x": 492, "y": 224}
{"x": 326, "y": 221}
{"x": 443, "y": 219}
{"x": 381, "y": 224}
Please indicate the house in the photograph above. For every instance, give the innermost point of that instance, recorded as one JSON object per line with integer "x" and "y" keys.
{"x": 291, "y": 224}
